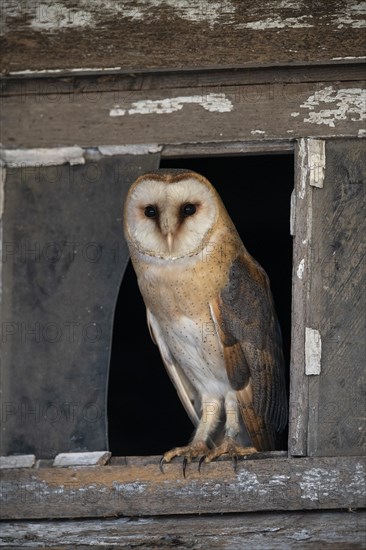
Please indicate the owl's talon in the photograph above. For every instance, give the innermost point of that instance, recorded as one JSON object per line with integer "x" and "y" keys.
{"x": 231, "y": 448}
{"x": 161, "y": 462}
{"x": 185, "y": 462}
{"x": 201, "y": 461}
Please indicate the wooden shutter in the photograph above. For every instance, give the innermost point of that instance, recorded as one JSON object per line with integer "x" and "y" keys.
{"x": 328, "y": 403}
{"x": 64, "y": 258}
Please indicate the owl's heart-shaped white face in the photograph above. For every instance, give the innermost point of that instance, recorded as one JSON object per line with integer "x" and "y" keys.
{"x": 169, "y": 217}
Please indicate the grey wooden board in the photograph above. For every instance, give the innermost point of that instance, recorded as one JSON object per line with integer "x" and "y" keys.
{"x": 299, "y": 383}
{"x": 64, "y": 257}
{"x": 175, "y": 35}
{"x": 187, "y": 114}
{"x": 96, "y": 458}
{"x": 17, "y": 461}
{"x": 313, "y": 530}
{"x": 337, "y": 397}
{"x": 138, "y": 488}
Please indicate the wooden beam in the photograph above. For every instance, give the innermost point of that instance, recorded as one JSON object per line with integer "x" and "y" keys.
{"x": 217, "y": 532}
{"x": 169, "y": 116}
{"x": 136, "y": 487}
{"x": 152, "y": 35}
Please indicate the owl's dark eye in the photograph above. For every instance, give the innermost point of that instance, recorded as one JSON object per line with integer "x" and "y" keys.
{"x": 151, "y": 211}
{"x": 188, "y": 209}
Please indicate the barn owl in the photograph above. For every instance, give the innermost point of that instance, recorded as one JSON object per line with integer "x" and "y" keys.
{"x": 211, "y": 313}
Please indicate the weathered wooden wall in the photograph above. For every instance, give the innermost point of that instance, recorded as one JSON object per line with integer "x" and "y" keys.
{"x": 337, "y": 396}
{"x": 130, "y": 36}
{"x": 311, "y": 530}
{"x": 63, "y": 259}
{"x": 246, "y": 106}
{"x": 207, "y": 78}
{"x": 136, "y": 487}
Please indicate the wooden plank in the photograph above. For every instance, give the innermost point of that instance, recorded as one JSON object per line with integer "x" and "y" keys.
{"x": 17, "y": 461}
{"x": 338, "y": 530}
{"x": 64, "y": 257}
{"x": 337, "y": 423}
{"x": 301, "y": 222}
{"x": 227, "y": 148}
{"x": 88, "y": 85}
{"x": 139, "y": 488}
{"x": 185, "y": 115}
{"x": 157, "y": 35}
{"x": 96, "y": 458}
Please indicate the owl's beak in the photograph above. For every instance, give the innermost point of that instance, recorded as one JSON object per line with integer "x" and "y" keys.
{"x": 169, "y": 239}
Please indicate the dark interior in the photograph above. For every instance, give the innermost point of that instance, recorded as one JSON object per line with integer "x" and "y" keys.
{"x": 144, "y": 412}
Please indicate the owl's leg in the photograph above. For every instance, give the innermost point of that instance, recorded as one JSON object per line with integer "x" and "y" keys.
{"x": 230, "y": 444}
{"x": 210, "y": 417}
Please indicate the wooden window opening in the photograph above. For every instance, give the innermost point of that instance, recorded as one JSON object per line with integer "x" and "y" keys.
{"x": 324, "y": 467}
{"x": 145, "y": 415}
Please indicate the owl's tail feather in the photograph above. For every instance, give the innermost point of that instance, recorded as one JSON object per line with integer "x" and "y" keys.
{"x": 262, "y": 436}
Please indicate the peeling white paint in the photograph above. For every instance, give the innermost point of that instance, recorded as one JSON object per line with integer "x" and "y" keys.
{"x": 301, "y": 269}
{"x": 316, "y": 160}
{"x": 143, "y": 149}
{"x": 362, "y": 132}
{"x": 215, "y": 103}
{"x": 2, "y": 187}
{"x": 279, "y": 480}
{"x": 130, "y": 488}
{"x": 292, "y": 213}
{"x": 313, "y": 351}
{"x": 352, "y": 15}
{"x": 304, "y": 534}
{"x": 20, "y": 158}
{"x": 350, "y": 22}
{"x": 289, "y": 4}
{"x": 315, "y": 482}
{"x": 358, "y": 481}
{"x": 51, "y": 16}
{"x": 278, "y": 22}
{"x": 311, "y": 164}
{"x": 204, "y": 10}
{"x": 54, "y": 16}
{"x": 253, "y": 132}
{"x": 30, "y": 72}
{"x": 15, "y": 158}
{"x": 17, "y": 461}
{"x": 350, "y": 103}
{"x": 247, "y": 478}
{"x": 348, "y": 57}
{"x": 91, "y": 458}
{"x": 303, "y": 167}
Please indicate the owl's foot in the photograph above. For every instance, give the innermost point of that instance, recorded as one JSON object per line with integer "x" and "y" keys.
{"x": 188, "y": 452}
{"x": 227, "y": 447}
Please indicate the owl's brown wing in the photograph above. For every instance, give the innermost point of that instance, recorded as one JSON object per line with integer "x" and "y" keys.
{"x": 246, "y": 321}
{"x": 187, "y": 394}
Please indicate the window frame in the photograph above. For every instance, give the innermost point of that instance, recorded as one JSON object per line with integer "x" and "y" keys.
{"x": 135, "y": 486}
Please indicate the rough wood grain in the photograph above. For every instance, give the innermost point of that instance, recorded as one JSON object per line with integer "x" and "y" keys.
{"x": 312, "y": 530}
{"x": 298, "y": 410}
{"x": 195, "y": 114}
{"x": 139, "y": 488}
{"x": 17, "y": 461}
{"x": 337, "y": 398}
{"x": 62, "y": 231}
{"x": 155, "y": 34}
{"x": 96, "y": 458}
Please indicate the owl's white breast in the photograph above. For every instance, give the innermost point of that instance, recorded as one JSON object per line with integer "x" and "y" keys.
{"x": 196, "y": 348}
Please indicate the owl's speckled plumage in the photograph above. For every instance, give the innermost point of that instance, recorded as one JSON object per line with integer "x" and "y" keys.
{"x": 210, "y": 311}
